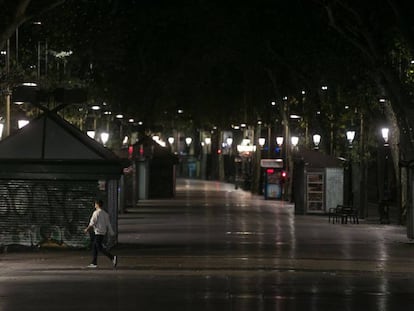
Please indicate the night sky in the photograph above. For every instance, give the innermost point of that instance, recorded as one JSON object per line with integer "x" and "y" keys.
{"x": 206, "y": 57}
{"x": 219, "y": 61}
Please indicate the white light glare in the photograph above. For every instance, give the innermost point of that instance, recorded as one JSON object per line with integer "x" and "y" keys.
{"x": 262, "y": 141}
{"x": 279, "y": 140}
{"x": 294, "y": 141}
{"x": 22, "y": 123}
{"x": 104, "y": 137}
{"x": 125, "y": 141}
{"x": 316, "y": 139}
{"x": 385, "y": 134}
{"x": 350, "y": 135}
{"x": 91, "y": 134}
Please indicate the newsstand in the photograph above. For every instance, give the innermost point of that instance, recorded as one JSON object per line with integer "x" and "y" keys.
{"x": 274, "y": 178}
{"x": 318, "y": 182}
{"x": 153, "y": 171}
{"x": 50, "y": 175}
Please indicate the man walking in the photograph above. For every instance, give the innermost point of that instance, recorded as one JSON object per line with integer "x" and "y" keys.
{"x": 100, "y": 225}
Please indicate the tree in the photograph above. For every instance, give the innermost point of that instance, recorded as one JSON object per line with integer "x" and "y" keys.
{"x": 12, "y": 15}
{"x": 15, "y": 13}
{"x": 384, "y": 38}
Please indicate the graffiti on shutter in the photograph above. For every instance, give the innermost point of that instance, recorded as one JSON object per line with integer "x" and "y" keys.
{"x": 39, "y": 213}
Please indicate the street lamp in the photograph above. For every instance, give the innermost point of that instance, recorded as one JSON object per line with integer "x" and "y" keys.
{"x": 279, "y": 141}
{"x": 262, "y": 142}
{"x": 188, "y": 141}
{"x": 316, "y": 140}
{"x": 229, "y": 141}
{"x": 171, "y": 140}
{"x": 350, "y": 136}
{"x": 22, "y": 123}
{"x": 385, "y": 135}
{"x": 384, "y": 211}
{"x": 294, "y": 140}
{"x": 91, "y": 134}
{"x": 104, "y": 137}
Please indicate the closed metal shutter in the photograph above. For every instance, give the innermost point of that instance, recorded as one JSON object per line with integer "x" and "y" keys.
{"x": 45, "y": 213}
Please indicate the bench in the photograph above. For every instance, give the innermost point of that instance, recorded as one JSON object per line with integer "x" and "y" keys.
{"x": 343, "y": 213}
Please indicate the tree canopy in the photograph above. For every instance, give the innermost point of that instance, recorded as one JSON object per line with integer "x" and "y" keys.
{"x": 224, "y": 62}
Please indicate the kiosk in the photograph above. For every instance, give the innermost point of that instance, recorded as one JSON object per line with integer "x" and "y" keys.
{"x": 274, "y": 178}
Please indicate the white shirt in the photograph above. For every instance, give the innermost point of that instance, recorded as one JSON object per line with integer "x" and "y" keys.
{"x": 100, "y": 222}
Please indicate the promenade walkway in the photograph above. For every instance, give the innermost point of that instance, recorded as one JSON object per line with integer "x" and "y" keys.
{"x": 216, "y": 248}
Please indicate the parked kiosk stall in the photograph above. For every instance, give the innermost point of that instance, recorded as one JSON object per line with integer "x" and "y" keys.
{"x": 50, "y": 175}
{"x": 317, "y": 182}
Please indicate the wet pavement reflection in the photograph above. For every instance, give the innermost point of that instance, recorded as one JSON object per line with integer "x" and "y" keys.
{"x": 217, "y": 248}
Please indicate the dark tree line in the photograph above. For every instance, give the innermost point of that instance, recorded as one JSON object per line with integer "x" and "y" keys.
{"x": 223, "y": 62}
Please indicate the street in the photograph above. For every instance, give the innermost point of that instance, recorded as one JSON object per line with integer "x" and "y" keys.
{"x": 217, "y": 248}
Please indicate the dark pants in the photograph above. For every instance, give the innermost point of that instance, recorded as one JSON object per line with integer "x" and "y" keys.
{"x": 97, "y": 247}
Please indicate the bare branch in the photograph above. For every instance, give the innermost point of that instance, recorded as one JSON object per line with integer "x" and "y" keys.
{"x": 21, "y": 9}
{"x": 403, "y": 23}
{"x": 22, "y": 12}
{"x": 350, "y": 35}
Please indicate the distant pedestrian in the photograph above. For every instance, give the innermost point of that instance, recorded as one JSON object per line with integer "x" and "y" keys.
{"x": 100, "y": 226}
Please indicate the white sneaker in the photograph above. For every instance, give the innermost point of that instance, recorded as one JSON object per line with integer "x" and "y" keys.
{"x": 92, "y": 265}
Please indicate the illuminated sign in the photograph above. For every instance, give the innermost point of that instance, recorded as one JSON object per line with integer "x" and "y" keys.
{"x": 273, "y": 163}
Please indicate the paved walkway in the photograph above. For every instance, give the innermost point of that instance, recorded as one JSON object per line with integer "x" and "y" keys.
{"x": 216, "y": 248}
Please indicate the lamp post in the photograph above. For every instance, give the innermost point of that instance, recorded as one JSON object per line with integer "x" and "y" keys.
{"x": 8, "y": 112}
{"x": 294, "y": 140}
{"x": 384, "y": 211}
{"x": 229, "y": 142}
{"x": 350, "y": 136}
{"x": 188, "y": 141}
{"x": 171, "y": 140}
{"x": 279, "y": 142}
